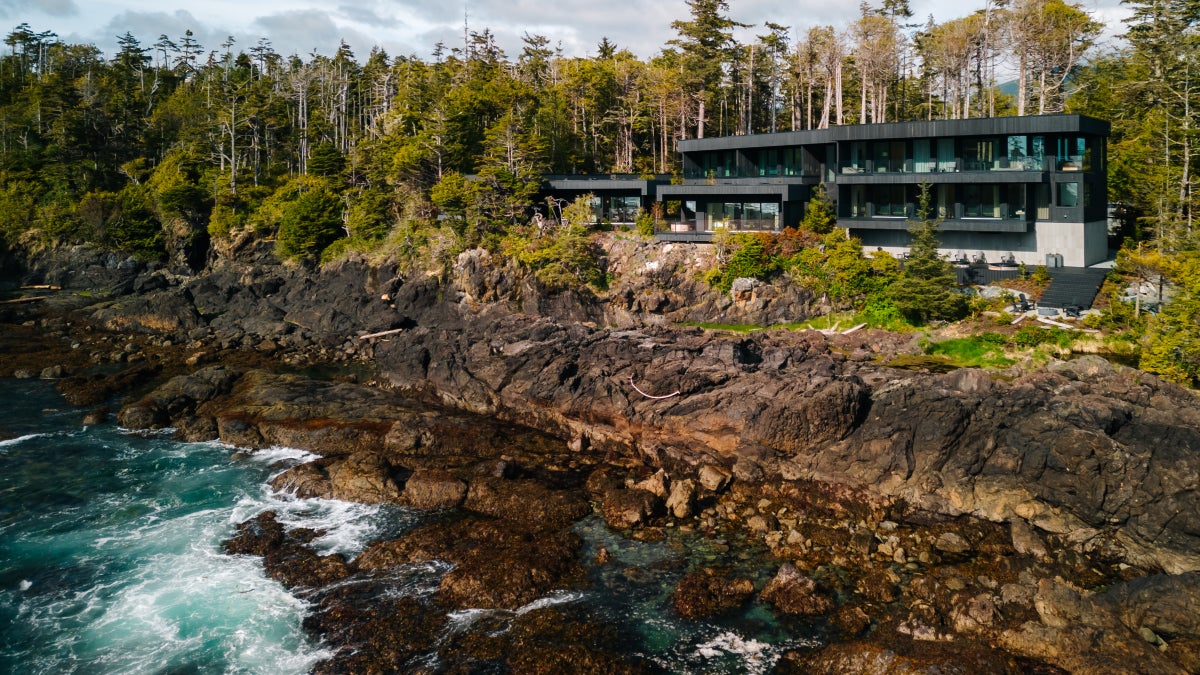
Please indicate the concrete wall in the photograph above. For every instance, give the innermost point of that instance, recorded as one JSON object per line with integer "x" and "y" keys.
{"x": 1023, "y": 246}
{"x": 1081, "y": 244}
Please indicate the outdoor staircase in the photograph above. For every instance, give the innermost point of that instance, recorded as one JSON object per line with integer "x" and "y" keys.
{"x": 1072, "y": 286}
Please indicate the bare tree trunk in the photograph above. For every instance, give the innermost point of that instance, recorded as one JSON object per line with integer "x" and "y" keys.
{"x": 838, "y": 93}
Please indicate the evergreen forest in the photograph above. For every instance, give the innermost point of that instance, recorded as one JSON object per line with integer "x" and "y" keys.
{"x": 168, "y": 140}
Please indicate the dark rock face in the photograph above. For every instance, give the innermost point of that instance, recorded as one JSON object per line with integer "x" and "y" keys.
{"x": 1081, "y": 471}
{"x": 793, "y": 593}
{"x": 628, "y": 508}
{"x": 373, "y": 630}
{"x": 434, "y": 489}
{"x": 708, "y": 592}
{"x": 1083, "y": 449}
{"x": 285, "y": 555}
{"x": 928, "y": 658}
{"x": 498, "y": 564}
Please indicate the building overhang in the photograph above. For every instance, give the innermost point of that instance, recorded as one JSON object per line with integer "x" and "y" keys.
{"x": 786, "y": 192}
{"x": 958, "y": 225}
{"x": 981, "y": 126}
{"x": 945, "y": 177}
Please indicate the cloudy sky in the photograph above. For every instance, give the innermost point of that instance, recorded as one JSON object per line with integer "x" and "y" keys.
{"x": 415, "y": 26}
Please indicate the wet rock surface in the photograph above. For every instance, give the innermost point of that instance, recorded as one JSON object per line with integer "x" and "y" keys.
{"x": 710, "y": 591}
{"x": 1043, "y": 521}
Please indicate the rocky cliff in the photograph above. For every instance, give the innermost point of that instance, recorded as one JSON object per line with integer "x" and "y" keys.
{"x": 1038, "y": 488}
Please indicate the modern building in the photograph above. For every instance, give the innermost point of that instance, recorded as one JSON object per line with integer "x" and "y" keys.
{"x": 1015, "y": 189}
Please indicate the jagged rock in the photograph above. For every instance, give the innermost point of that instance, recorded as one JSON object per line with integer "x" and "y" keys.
{"x": 363, "y": 477}
{"x": 708, "y": 592}
{"x": 285, "y": 555}
{"x": 851, "y": 621}
{"x": 747, "y": 471}
{"x": 793, "y": 593}
{"x": 434, "y": 489}
{"x": 1025, "y": 541}
{"x": 306, "y": 481}
{"x": 951, "y": 542}
{"x": 1100, "y": 633}
{"x": 498, "y": 564}
{"x": 655, "y": 484}
{"x": 629, "y": 508}
{"x": 682, "y": 498}
{"x": 526, "y": 502}
{"x": 762, "y": 523}
{"x": 97, "y": 416}
{"x": 931, "y": 658}
{"x": 179, "y": 397}
{"x": 879, "y": 585}
{"x": 973, "y": 614}
{"x": 713, "y": 478}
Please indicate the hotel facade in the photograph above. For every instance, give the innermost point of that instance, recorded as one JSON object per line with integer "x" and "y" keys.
{"x": 1027, "y": 190}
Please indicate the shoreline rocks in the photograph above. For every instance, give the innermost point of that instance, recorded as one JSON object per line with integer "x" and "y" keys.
{"x": 1042, "y": 520}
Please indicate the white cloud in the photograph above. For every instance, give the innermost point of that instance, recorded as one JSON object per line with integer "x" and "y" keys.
{"x": 415, "y": 26}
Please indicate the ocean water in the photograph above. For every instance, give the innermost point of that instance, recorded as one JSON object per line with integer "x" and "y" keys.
{"x": 110, "y": 549}
{"x": 111, "y": 561}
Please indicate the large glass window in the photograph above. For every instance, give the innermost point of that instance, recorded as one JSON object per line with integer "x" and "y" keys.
{"x": 1073, "y": 154}
{"x": 890, "y": 201}
{"x": 720, "y": 164}
{"x": 981, "y": 201}
{"x": 946, "y": 160}
{"x": 889, "y": 156}
{"x": 793, "y": 162}
{"x": 923, "y": 161}
{"x": 621, "y": 209}
{"x": 1043, "y": 202}
{"x": 945, "y": 202}
{"x": 1017, "y": 153}
{"x": 1068, "y": 194}
{"x": 744, "y": 215}
{"x": 858, "y": 158}
{"x": 1015, "y": 201}
{"x": 979, "y": 154}
{"x": 1037, "y": 152}
{"x": 858, "y": 201}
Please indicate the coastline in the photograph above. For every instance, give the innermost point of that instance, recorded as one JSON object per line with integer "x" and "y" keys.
{"x": 999, "y": 521}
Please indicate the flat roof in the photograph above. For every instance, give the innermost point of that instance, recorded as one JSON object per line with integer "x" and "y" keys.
{"x": 980, "y": 126}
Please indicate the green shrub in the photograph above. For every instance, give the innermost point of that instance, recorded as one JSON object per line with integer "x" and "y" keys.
{"x": 1032, "y": 336}
{"x": 309, "y": 224}
{"x": 560, "y": 259}
{"x": 645, "y": 224}
{"x": 879, "y": 312}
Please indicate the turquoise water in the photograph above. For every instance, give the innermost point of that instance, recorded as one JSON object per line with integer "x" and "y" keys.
{"x": 110, "y": 550}
{"x": 111, "y": 561}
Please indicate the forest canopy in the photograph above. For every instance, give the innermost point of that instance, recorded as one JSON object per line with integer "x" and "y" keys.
{"x": 168, "y": 134}
{"x": 169, "y": 149}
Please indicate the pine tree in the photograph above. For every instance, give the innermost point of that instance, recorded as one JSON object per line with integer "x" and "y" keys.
{"x": 926, "y": 290}
{"x": 819, "y": 214}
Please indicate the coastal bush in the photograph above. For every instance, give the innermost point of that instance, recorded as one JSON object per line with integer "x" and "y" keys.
{"x": 1033, "y": 335}
{"x": 926, "y": 289}
{"x": 879, "y": 312}
{"x": 645, "y": 223}
{"x": 308, "y": 224}
{"x": 748, "y": 257}
{"x": 820, "y": 216}
{"x": 131, "y": 224}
